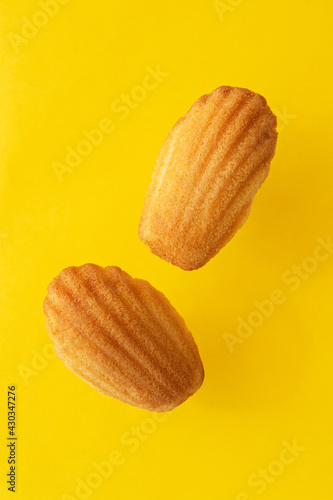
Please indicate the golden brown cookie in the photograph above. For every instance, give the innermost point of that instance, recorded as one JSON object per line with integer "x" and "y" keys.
{"x": 209, "y": 169}
{"x": 123, "y": 337}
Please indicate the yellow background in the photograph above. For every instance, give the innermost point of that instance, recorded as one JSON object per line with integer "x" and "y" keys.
{"x": 277, "y": 385}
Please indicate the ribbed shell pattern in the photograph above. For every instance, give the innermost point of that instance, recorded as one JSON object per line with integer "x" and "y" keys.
{"x": 123, "y": 337}
{"x": 209, "y": 169}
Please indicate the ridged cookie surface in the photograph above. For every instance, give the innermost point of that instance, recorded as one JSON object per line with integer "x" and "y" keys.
{"x": 208, "y": 171}
{"x": 123, "y": 337}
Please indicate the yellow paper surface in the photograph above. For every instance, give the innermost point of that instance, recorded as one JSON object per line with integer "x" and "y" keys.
{"x": 261, "y": 425}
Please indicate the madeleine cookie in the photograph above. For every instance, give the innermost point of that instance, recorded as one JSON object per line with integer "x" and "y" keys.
{"x": 209, "y": 169}
{"x": 123, "y": 337}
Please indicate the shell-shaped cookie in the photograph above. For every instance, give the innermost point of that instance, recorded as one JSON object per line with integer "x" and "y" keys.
{"x": 123, "y": 337}
{"x": 209, "y": 169}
